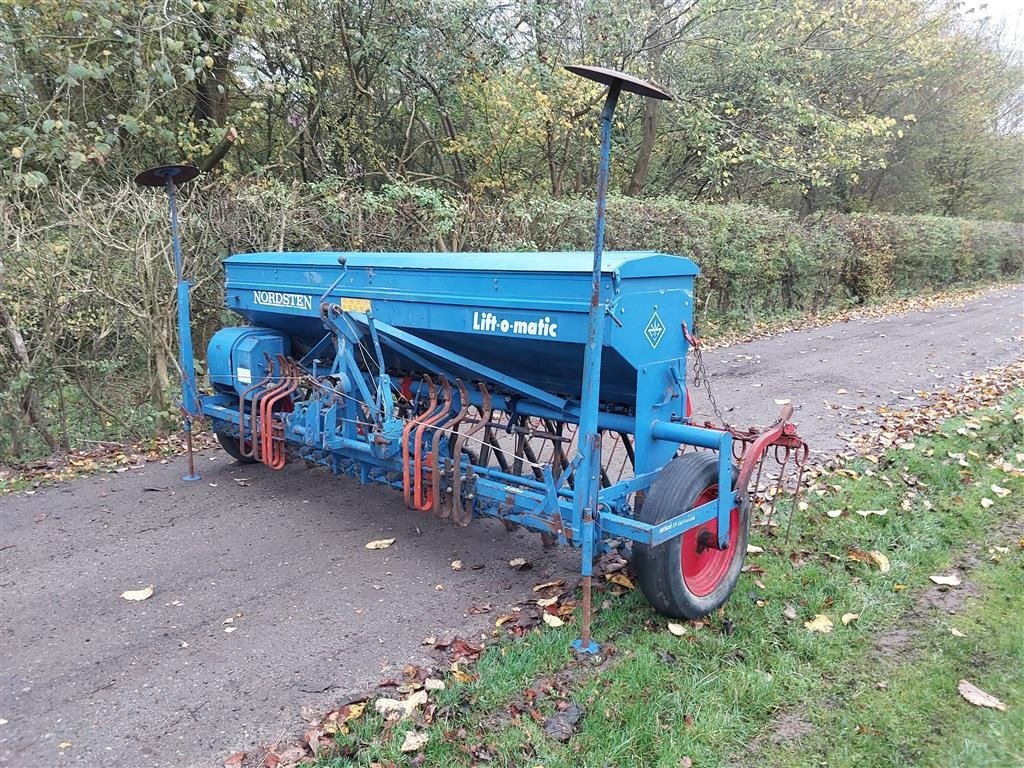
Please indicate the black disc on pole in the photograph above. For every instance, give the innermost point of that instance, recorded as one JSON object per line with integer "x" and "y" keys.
{"x": 628, "y": 82}
{"x": 157, "y": 177}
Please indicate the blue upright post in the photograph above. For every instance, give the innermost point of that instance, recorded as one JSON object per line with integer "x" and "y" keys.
{"x": 588, "y": 476}
{"x": 168, "y": 177}
{"x": 186, "y": 358}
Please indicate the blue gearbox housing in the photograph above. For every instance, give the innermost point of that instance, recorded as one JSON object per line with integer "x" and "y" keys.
{"x": 240, "y": 357}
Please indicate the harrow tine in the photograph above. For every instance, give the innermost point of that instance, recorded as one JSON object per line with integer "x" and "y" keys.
{"x": 443, "y": 409}
{"x": 462, "y": 513}
{"x": 409, "y": 425}
{"x": 802, "y": 454}
{"x": 452, "y": 426}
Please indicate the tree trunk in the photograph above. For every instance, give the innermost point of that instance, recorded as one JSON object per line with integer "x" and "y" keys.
{"x": 643, "y": 160}
{"x": 28, "y": 400}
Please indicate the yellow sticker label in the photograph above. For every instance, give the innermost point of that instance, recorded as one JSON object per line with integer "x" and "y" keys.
{"x": 355, "y": 305}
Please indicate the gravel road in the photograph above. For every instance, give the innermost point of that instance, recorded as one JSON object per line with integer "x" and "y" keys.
{"x": 314, "y": 614}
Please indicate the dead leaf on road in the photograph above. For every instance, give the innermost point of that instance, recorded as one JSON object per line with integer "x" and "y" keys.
{"x": 234, "y": 760}
{"x": 415, "y": 741}
{"x": 136, "y": 595}
{"x": 547, "y": 584}
{"x": 456, "y": 565}
{"x": 380, "y": 544}
{"x": 978, "y": 697}
{"x": 520, "y": 564}
{"x": 544, "y": 602}
{"x": 946, "y": 581}
{"x": 291, "y": 755}
{"x": 820, "y": 623}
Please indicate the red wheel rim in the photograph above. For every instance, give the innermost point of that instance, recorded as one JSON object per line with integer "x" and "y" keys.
{"x": 704, "y": 570}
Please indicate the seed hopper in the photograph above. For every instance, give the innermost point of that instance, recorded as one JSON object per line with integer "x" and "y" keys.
{"x": 548, "y": 390}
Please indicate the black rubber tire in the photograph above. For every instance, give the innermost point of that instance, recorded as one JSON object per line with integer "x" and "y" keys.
{"x": 231, "y": 447}
{"x": 658, "y": 569}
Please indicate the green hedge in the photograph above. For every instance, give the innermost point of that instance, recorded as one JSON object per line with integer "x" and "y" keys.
{"x": 87, "y": 273}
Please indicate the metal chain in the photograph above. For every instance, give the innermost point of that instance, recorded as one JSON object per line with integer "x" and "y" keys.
{"x": 700, "y": 379}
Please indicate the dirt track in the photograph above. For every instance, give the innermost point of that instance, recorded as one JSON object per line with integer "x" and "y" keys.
{"x": 160, "y": 683}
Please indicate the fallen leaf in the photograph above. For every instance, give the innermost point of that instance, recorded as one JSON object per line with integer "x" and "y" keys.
{"x": 880, "y": 560}
{"x": 562, "y": 724}
{"x": 840, "y": 391}
{"x": 685, "y": 762}
{"x": 547, "y": 584}
{"x": 820, "y": 623}
{"x": 433, "y": 684}
{"x": 291, "y": 755}
{"x": 138, "y": 594}
{"x": 544, "y": 602}
{"x": 402, "y": 707}
{"x": 552, "y": 621}
{"x": 789, "y": 612}
{"x": 956, "y": 632}
{"x": 946, "y": 581}
{"x": 978, "y": 697}
{"x": 456, "y": 565}
{"x": 848, "y": 617}
{"x": 229, "y": 630}
{"x": 461, "y": 676}
{"x": 65, "y": 745}
{"x": 834, "y": 512}
{"x": 869, "y": 512}
{"x": 999, "y": 491}
{"x": 622, "y": 580}
{"x": 414, "y": 741}
{"x": 753, "y": 549}
{"x": 676, "y": 629}
{"x": 986, "y": 502}
{"x": 380, "y": 544}
{"x": 234, "y": 759}
{"x": 520, "y": 564}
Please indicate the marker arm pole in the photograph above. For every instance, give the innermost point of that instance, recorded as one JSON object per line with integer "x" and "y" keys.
{"x": 186, "y": 357}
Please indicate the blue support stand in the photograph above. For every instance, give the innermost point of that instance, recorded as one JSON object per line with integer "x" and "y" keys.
{"x": 588, "y": 477}
{"x": 168, "y": 177}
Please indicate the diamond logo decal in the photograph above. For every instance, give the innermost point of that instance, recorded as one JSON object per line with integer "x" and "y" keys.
{"x": 655, "y": 330}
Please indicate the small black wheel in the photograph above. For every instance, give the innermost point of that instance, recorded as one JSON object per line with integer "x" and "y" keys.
{"x": 231, "y": 446}
{"x": 687, "y": 577}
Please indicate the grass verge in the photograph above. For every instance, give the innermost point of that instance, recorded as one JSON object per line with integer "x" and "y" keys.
{"x": 754, "y": 686}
